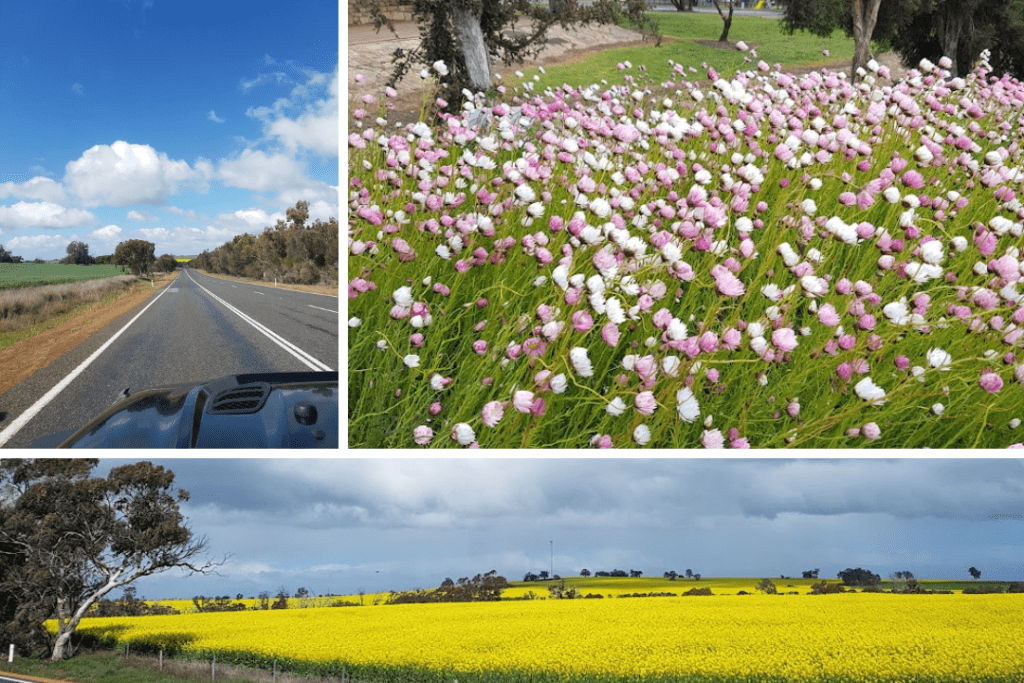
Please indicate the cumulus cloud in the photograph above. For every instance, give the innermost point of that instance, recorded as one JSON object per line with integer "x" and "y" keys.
{"x": 123, "y": 174}
{"x": 189, "y": 215}
{"x": 256, "y": 170}
{"x": 213, "y": 117}
{"x": 40, "y": 188}
{"x": 43, "y": 215}
{"x": 37, "y": 243}
{"x": 141, "y": 216}
{"x": 316, "y": 127}
{"x": 107, "y": 234}
{"x": 154, "y": 234}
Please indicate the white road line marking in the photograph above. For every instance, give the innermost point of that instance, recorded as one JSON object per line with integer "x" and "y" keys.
{"x": 322, "y": 309}
{"x": 24, "y": 418}
{"x": 260, "y": 293}
{"x": 301, "y": 355}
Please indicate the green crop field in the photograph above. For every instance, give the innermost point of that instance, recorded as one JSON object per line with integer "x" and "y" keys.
{"x": 14, "y": 275}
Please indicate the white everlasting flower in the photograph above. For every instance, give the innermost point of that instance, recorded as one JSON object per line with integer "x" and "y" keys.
{"x": 382, "y": 344}
{"x": 595, "y": 284}
{"x": 917, "y": 372}
{"x": 755, "y": 329}
{"x": 670, "y": 364}
{"x": 441, "y": 68}
{"x": 354, "y": 322}
{"x": 897, "y": 312}
{"x": 411, "y": 361}
{"x": 591, "y": 235}
{"x": 923, "y": 155}
{"x": 1014, "y": 423}
{"x": 600, "y": 207}
{"x": 813, "y": 286}
{"x": 403, "y": 297}
{"x": 923, "y": 272}
{"x": 436, "y": 382}
{"x": 744, "y": 225}
{"x": 526, "y": 193}
{"x": 932, "y": 252}
{"x": 959, "y": 242}
{"x": 676, "y": 330}
{"x": 443, "y": 251}
{"x": 558, "y": 383}
{"x": 688, "y": 408}
{"x": 613, "y": 309}
{"x": 580, "y": 361}
{"x": 809, "y": 207}
{"x": 671, "y": 252}
{"x": 938, "y": 408}
{"x": 463, "y": 433}
{"x": 642, "y": 435}
{"x": 869, "y": 391}
{"x": 616, "y": 407}
{"x": 937, "y": 358}
{"x": 560, "y": 276}
{"x": 891, "y": 194}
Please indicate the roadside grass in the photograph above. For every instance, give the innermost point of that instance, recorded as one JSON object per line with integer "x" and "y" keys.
{"x": 682, "y": 31}
{"x": 27, "y": 311}
{"x": 15, "y": 275}
{"x": 114, "y": 667}
{"x": 315, "y": 289}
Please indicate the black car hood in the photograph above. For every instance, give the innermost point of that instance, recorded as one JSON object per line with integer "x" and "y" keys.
{"x": 257, "y": 410}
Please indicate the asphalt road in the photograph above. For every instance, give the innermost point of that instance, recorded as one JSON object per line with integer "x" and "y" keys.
{"x": 196, "y": 329}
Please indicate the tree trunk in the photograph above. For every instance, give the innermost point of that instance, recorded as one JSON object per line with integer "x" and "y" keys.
{"x": 727, "y": 19}
{"x": 474, "y": 50}
{"x": 864, "y": 18}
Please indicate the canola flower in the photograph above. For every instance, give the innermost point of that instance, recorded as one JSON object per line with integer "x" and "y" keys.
{"x": 802, "y": 639}
{"x": 669, "y": 264}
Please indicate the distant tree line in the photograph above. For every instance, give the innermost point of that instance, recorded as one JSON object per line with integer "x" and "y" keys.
{"x": 293, "y": 251}
{"x": 481, "y": 588}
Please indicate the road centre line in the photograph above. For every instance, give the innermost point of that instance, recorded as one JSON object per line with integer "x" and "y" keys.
{"x": 298, "y": 353}
{"x": 25, "y": 417}
{"x": 322, "y": 309}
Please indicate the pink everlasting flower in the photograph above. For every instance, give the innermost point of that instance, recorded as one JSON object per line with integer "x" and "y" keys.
{"x": 712, "y": 439}
{"x": 480, "y": 347}
{"x": 784, "y": 339}
{"x": 645, "y": 403}
{"x": 522, "y": 400}
{"x": 422, "y": 435}
{"x": 610, "y": 334}
{"x": 828, "y": 316}
{"x": 871, "y": 431}
{"x": 492, "y": 413}
{"x": 726, "y": 283}
{"x": 582, "y": 321}
{"x": 990, "y": 382}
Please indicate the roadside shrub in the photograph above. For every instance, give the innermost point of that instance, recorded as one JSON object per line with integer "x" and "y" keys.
{"x": 767, "y": 587}
{"x": 1015, "y": 588}
{"x": 982, "y": 590}
{"x": 699, "y": 591}
{"x": 824, "y": 587}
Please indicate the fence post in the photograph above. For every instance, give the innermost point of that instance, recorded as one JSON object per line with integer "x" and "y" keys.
{"x": 161, "y": 660}
{"x": 275, "y": 671}
{"x": 10, "y": 655}
{"x": 213, "y": 669}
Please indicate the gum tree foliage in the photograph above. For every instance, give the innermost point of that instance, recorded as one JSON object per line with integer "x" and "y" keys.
{"x": 166, "y": 263}
{"x": 8, "y": 257}
{"x": 467, "y": 34}
{"x": 481, "y": 588}
{"x": 78, "y": 254}
{"x": 858, "y": 577}
{"x": 293, "y": 251}
{"x": 137, "y": 255}
{"x": 918, "y": 29}
{"x": 69, "y": 538}
{"x": 961, "y": 30}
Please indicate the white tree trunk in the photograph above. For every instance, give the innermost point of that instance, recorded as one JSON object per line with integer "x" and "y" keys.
{"x": 471, "y": 38}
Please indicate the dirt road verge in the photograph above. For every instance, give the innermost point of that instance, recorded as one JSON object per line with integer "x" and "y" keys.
{"x": 315, "y": 289}
{"x": 21, "y": 360}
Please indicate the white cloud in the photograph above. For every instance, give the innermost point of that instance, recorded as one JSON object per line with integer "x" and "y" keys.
{"x": 141, "y": 216}
{"x": 317, "y": 193}
{"x": 213, "y": 117}
{"x": 189, "y": 215}
{"x": 255, "y": 170}
{"x": 154, "y": 234}
{"x": 43, "y": 215}
{"x": 78, "y": 89}
{"x": 109, "y": 233}
{"x": 122, "y": 174}
{"x": 316, "y": 128}
{"x": 39, "y": 188}
{"x": 38, "y": 243}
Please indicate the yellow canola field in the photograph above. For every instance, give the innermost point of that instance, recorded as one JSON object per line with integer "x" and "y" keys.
{"x": 858, "y": 637}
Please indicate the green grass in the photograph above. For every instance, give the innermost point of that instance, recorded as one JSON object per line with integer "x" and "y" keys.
{"x": 14, "y": 275}
{"x": 684, "y": 29}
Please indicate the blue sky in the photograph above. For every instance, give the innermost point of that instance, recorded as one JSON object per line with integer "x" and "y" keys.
{"x": 181, "y": 122}
{"x": 343, "y": 525}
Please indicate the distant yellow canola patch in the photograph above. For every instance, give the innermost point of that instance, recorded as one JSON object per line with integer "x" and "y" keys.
{"x": 860, "y": 637}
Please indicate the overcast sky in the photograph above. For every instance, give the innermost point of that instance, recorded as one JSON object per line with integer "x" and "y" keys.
{"x": 180, "y": 122}
{"x": 343, "y": 525}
